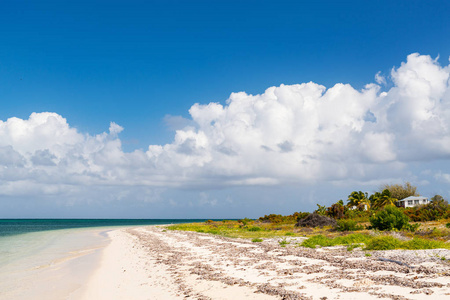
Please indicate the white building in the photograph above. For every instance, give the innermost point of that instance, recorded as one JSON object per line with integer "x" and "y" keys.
{"x": 412, "y": 201}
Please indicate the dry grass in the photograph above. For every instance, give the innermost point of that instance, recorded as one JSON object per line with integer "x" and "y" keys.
{"x": 254, "y": 229}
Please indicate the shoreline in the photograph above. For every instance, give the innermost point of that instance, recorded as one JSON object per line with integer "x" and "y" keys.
{"x": 152, "y": 263}
{"x": 50, "y": 264}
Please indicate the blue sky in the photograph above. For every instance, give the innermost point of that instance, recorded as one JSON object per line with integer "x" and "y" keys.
{"x": 144, "y": 64}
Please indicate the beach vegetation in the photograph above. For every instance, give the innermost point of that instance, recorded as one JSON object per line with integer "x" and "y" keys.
{"x": 390, "y": 218}
{"x": 387, "y": 242}
{"x": 336, "y": 210}
{"x": 257, "y": 240}
{"x": 321, "y": 210}
{"x": 235, "y": 229}
{"x": 284, "y": 242}
{"x": 379, "y": 242}
{"x": 354, "y": 224}
{"x": 358, "y": 200}
{"x": 380, "y": 200}
{"x": 324, "y": 241}
{"x": 348, "y": 225}
{"x": 437, "y": 209}
{"x": 280, "y": 219}
{"x": 383, "y": 242}
{"x": 254, "y": 228}
{"x": 399, "y": 191}
{"x": 245, "y": 221}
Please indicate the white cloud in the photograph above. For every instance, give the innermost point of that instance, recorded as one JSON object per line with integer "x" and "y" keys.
{"x": 443, "y": 177}
{"x": 380, "y": 79}
{"x": 299, "y": 133}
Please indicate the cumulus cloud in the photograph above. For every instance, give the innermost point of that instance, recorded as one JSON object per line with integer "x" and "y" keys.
{"x": 380, "y": 79}
{"x": 289, "y": 134}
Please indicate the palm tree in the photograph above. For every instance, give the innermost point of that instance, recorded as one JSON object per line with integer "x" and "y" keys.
{"x": 359, "y": 200}
{"x": 382, "y": 199}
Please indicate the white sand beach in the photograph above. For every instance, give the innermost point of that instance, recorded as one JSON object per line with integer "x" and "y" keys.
{"x": 152, "y": 263}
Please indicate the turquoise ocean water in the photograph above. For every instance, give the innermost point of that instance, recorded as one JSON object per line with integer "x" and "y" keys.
{"x": 9, "y": 227}
{"x": 34, "y": 252}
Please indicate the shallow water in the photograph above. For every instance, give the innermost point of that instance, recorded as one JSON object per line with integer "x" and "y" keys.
{"x": 48, "y": 264}
{"x": 53, "y": 259}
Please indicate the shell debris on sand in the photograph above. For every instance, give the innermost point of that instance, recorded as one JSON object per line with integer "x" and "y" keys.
{"x": 206, "y": 267}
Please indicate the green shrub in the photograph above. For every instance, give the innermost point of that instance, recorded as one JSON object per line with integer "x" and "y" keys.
{"x": 447, "y": 225}
{"x": 389, "y": 243}
{"x": 245, "y": 221}
{"x": 412, "y": 227}
{"x": 355, "y": 238}
{"x": 351, "y": 239}
{"x": 257, "y": 240}
{"x": 384, "y": 242}
{"x": 255, "y": 228}
{"x": 336, "y": 210}
{"x": 289, "y": 233}
{"x": 437, "y": 209}
{"x": 357, "y": 215}
{"x": 283, "y": 243}
{"x": 319, "y": 240}
{"x": 418, "y": 243}
{"x": 389, "y": 218}
{"x": 347, "y": 225}
{"x": 280, "y": 219}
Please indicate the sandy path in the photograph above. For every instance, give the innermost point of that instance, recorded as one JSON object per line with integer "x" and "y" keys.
{"x": 151, "y": 263}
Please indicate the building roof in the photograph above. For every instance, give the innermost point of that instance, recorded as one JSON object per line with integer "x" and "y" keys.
{"x": 414, "y": 198}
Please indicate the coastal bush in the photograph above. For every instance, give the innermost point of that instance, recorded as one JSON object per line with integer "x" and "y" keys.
{"x": 355, "y": 238}
{"x": 399, "y": 191}
{"x": 411, "y": 227}
{"x": 280, "y": 219}
{"x": 347, "y": 240}
{"x": 255, "y": 228}
{"x": 347, "y": 225}
{"x": 284, "y": 242}
{"x": 321, "y": 210}
{"x": 317, "y": 240}
{"x": 418, "y": 243}
{"x": 245, "y": 221}
{"x": 336, "y": 210}
{"x": 434, "y": 234}
{"x": 389, "y": 218}
{"x": 387, "y": 242}
{"x": 383, "y": 242}
{"x": 437, "y": 209}
{"x": 357, "y": 215}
